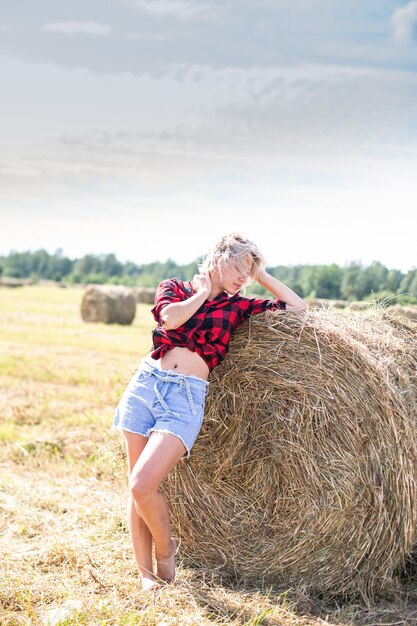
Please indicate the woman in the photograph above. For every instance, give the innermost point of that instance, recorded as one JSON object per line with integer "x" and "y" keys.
{"x": 161, "y": 410}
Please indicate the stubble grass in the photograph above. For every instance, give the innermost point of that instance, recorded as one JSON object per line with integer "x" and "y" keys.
{"x": 64, "y": 546}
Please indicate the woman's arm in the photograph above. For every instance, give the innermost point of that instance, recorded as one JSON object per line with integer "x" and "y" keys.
{"x": 176, "y": 314}
{"x": 282, "y": 292}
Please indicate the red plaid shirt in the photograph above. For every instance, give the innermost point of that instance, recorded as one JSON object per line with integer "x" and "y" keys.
{"x": 209, "y": 330}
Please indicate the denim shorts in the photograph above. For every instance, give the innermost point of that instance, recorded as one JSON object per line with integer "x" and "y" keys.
{"x": 162, "y": 400}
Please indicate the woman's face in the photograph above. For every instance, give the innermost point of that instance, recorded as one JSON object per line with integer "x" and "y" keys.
{"x": 233, "y": 277}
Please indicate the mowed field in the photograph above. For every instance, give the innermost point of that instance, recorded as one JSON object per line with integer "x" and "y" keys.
{"x": 65, "y": 553}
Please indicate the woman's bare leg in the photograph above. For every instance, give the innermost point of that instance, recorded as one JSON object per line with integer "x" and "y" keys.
{"x": 140, "y": 534}
{"x": 159, "y": 456}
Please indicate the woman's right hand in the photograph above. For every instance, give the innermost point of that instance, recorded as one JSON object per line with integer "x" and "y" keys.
{"x": 201, "y": 282}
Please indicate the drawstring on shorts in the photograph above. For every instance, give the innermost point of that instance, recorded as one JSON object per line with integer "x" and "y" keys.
{"x": 180, "y": 379}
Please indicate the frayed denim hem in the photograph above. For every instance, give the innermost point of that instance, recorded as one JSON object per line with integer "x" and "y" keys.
{"x": 121, "y": 428}
{"x": 165, "y": 430}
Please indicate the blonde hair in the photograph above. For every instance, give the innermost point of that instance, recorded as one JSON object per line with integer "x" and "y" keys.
{"x": 234, "y": 248}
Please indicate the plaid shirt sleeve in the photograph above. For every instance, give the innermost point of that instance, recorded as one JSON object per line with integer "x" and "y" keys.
{"x": 166, "y": 293}
{"x": 253, "y": 306}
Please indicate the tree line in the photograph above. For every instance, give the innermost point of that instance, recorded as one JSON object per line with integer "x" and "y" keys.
{"x": 354, "y": 281}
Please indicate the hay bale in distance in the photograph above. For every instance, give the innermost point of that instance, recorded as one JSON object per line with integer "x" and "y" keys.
{"x": 15, "y": 282}
{"x": 339, "y": 304}
{"x": 144, "y": 294}
{"x": 305, "y": 470}
{"x": 360, "y": 305}
{"x": 317, "y": 303}
{"x": 324, "y": 303}
{"x": 407, "y": 311}
{"x": 109, "y": 304}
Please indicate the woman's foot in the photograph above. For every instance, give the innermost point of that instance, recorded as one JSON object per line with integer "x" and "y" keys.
{"x": 165, "y": 566}
{"x": 149, "y": 584}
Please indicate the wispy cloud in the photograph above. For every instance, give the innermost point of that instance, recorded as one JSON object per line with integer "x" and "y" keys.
{"x": 183, "y": 9}
{"x": 148, "y": 37}
{"x": 74, "y": 28}
{"x": 404, "y": 23}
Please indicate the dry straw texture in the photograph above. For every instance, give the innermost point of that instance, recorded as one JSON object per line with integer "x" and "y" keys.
{"x": 305, "y": 468}
{"x": 108, "y": 304}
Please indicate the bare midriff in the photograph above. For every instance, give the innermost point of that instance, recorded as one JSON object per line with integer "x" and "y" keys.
{"x": 185, "y": 361}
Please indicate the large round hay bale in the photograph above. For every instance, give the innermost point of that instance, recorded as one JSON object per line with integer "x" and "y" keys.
{"x": 144, "y": 294}
{"x": 305, "y": 470}
{"x": 109, "y": 304}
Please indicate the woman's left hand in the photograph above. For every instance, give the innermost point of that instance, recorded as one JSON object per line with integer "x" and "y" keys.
{"x": 262, "y": 275}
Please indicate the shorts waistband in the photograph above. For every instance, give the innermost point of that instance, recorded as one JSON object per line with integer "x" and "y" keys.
{"x": 148, "y": 365}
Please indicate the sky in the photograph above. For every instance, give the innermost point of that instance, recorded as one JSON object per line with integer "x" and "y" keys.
{"x": 151, "y": 128}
